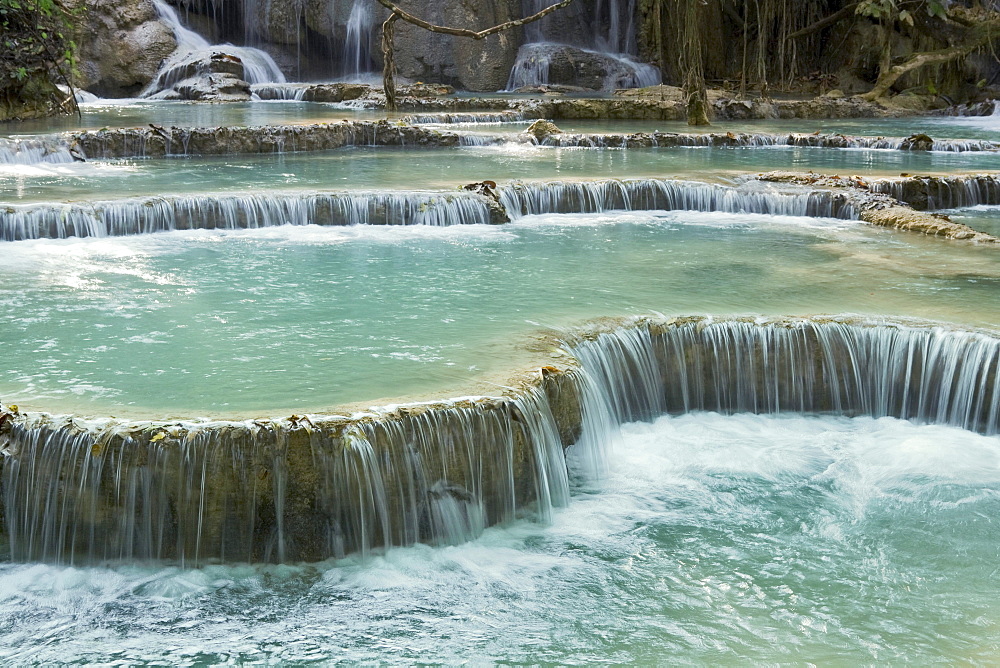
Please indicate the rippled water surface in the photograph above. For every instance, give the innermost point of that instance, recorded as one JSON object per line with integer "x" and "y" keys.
{"x": 713, "y": 540}
{"x": 305, "y": 318}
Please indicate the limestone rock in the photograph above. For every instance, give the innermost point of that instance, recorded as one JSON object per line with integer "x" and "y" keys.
{"x": 120, "y": 45}
{"x": 918, "y": 142}
{"x": 905, "y": 218}
{"x": 207, "y": 75}
{"x": 541, "y": 129}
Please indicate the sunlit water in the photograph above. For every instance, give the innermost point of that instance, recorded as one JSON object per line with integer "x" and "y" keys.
{"x": 306, "y": 318}
{"x": 985, "y": 218}
{"x": 131, "y": 113}
{"x": 713, "y": 540}
{"x": 439, "y": 169}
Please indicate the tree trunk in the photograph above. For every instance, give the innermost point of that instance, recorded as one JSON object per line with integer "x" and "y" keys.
{"x": 693, "y": 66}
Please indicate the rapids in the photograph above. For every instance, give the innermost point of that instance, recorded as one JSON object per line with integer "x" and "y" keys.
{"x": 711, "y": 540}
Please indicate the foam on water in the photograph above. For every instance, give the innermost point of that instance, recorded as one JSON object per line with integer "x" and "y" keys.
{"x": 712, "y": 539}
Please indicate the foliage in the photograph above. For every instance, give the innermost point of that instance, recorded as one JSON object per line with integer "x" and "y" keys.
{"x": 37, "y": 52}
{"x": 901, "y": 10}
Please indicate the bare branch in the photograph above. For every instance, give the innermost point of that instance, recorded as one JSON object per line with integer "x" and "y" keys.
{"x": 846, "y": 11}
{"x": 473, "y": 34}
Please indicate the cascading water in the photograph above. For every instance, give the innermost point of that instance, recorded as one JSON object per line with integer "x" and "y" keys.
{"x": 278, "y": 492}
{"x": 611, "y": 51}
{"x": 159, "y": 214}
{"x": 668, "y": 195}
{"x": 356, "y": 59}
{"x": 34, "y": 150}
{"x": 258, "y": 66}
{"x": 928, "y": 375}
{"x": 440, "y": 474}
{"x": 621, "y": 34}
{"x": 144, "y": 216}
{"x": 943, "y": 192}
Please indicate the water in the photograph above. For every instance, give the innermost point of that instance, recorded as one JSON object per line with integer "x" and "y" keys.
{"x": 708, "y": 539}
{"x": 357, "y": 49}
{"x": 984, "y": 218}
{"x": 712, "y": 540}
{"x": 303, "y": 318}
{"x": 388, "y": 168}
{"x": 532, "y": 68}
{"x": 258, "y": 66}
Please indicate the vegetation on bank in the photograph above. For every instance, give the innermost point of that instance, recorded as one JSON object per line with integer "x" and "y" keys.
{"x": 938, "y": 49}
{"x": 870, "y": 46}
{"x": 37, "y": 58}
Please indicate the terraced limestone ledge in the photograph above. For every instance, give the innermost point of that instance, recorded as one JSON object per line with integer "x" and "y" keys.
{"x": 663, "y": 103}
{"x": 477, "y": 203}
{"x": 300, "y": 488}
{"x": 309, "y": 487}
{"x": 902, "y": 203}
{"x": 545, "y": 133}
{"x": 155, "y": 141}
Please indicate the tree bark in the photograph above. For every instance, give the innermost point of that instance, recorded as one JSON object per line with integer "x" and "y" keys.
{"x": 389, "y": 62}
{"x": 693, "y": 66}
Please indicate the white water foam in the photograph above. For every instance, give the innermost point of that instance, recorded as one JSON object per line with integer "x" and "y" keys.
{"x": 737, "y": 540}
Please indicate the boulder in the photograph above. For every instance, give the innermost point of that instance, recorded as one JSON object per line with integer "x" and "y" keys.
{"x": 120, "y": 45}
{"x": 918, "y": 142}
{"x": 541, "y": 129}
{"x": 206, "y": 75}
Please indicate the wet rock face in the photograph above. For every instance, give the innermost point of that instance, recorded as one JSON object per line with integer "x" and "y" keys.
{"x": 475, "y": 65}
{"x": 210, "y": 75}
{"x": 120, "y": 45}
{"x": 563, "y": 65}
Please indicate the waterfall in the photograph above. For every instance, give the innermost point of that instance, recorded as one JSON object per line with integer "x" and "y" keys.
{"x": 34, "y": 150}
{"x": 356, "y": 58}
{"x": 621, "y": 36}
{"x": 250, "y": 211}
{"x": 668, "y": 195}
{"x": 258, "y": 66}
{"x": 310, "y": 488}
{"x": 287, "y": 91}
{"x": 945, "y": 192}
{"x": 617, "y": 15}
{"x": 267, "y": 491}
{"x": 535, "y": 61}
{"x": 612, "y": 50}
{"x": 929, "y": 375}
